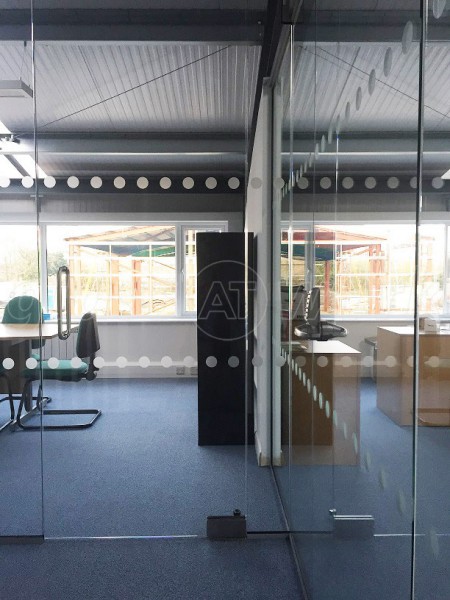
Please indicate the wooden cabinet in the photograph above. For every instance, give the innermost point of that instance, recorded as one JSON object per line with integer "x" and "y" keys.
{"x": 322, "y": 420}
{"x": 395, "y": 374}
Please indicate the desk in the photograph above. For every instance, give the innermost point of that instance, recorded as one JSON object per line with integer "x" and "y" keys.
{"x": 333, "y": 368}
{"x": 395, "y": 375}
{"x": 15, "y": 343}
{"x": 16, "y": 333}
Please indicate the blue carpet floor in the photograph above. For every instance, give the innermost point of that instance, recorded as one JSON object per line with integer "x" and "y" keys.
{"x": 380, "y": 568}
{"x": 376, "y": 569}
{"x": 381, "y": 485}
{"x": 193, "y": 569}
{"x": 137, "y": 471}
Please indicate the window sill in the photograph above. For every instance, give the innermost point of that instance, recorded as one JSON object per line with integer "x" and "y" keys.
{"x": 368, "y": 318}
{"x": 136, "y": 320}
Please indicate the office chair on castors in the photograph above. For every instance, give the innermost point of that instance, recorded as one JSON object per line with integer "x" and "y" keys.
{"x": 67, "y": 370}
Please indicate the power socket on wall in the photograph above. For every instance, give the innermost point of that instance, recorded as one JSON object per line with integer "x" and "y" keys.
{"x": 181, "y": 370}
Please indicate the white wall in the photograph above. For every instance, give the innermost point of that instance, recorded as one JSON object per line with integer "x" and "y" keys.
{"x": 258, "y": 220}
{"x": 154, "y": 340}
{"x": 176, "y": 339}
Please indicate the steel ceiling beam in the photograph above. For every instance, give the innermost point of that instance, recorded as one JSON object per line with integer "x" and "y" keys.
{"x": 149, "y": 144}
{"x": 364, "y": 26}
{"x": 134, "y": 25}
{"x": 113, "y": 144}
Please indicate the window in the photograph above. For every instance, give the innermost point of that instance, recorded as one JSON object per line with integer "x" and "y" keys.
{"x": 125, "y": 271}
{"x": 19, "y": 263}
{"x": 369, "y": 269}
{"x": 190, "y": 266}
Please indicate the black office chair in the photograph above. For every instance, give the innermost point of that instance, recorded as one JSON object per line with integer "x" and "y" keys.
{"x": 87, "y": 346}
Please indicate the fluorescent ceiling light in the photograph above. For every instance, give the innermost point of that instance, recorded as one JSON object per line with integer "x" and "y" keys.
{"x": 27, "y": 162}
{"x": 15, "y": 89}
{"x": 446, "y": 175}
{"x": 7, "y": 169}
{"x": 4, "y": 129}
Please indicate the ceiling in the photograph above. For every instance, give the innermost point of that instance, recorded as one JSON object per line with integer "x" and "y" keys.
{"x": 131, "y": 100}
{"x": 110, "y": 102}
{"x": 337, "y": 52}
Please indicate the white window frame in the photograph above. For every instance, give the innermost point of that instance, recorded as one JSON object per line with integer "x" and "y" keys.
{"x": 310, "y": 220}
{"x": 180, "y": 227}
{"x": 181, "y": 235}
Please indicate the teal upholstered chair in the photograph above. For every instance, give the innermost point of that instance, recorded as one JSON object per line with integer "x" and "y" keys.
{"x": 25, "y": 310}
{"x": 87, "y": 345}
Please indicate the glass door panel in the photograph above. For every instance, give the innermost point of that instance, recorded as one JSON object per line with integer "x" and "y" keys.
{"x": 20, "y": 313}
{"x": 354, "y": 219}
{"x": 122, "y": 130}
{"x": 432, "y": 422}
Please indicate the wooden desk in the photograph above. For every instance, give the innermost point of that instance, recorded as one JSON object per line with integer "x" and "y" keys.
{"x": 17, "y": 333}
{"x": 333, "y": 369}
{"x": 15, "y": 343}
{"x": 395, "y": 375}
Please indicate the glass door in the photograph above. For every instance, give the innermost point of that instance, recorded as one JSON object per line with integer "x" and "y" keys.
{"x": 21, "y": 322}
{"x": 129, "y": 133}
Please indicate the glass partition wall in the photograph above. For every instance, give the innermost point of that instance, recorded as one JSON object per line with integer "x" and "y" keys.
{"x": 117, "y": 122}
{"x": 360, "y": 237}
{"x": 117, "y": 155}
{"x": 21, "y": 513}
{"x": 432, "y": 551}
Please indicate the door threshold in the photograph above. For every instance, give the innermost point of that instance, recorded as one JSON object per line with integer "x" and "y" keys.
{"x": 117, "y": 537}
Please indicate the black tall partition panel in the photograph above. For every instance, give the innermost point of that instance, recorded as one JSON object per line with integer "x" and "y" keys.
{"x": 224, "y": 334}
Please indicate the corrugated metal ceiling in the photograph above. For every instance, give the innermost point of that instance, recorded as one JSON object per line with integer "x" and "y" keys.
{"x": 133, "y": 87}
{"x": 393, "y": 106}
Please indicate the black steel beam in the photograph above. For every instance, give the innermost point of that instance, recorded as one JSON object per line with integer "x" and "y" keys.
{"x": 363, "y": 184}
{"x": 108, "y": 186}
{"x": 143, "y": 143}
{"x": 165, "y": 25}
{"x": 359, "y": 26}
{"x": 271, "y": 44}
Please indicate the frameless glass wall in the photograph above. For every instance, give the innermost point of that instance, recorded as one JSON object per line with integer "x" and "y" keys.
{"x": 21, "y": 513}
{"x": 143, "y": 146}
{"x": 360, "y": 251}
{"x": 117, "y": 155}
{"x": 432, "y": 401}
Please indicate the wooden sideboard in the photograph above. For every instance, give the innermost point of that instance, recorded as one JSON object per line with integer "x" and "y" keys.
{"x": 395, "y": 376}
{"x": 333, "y": 371}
